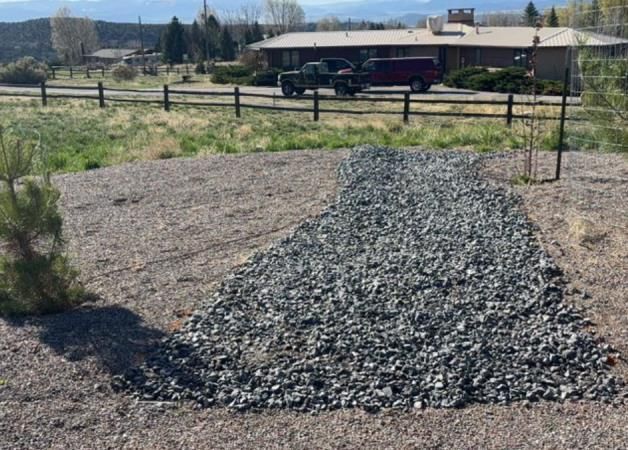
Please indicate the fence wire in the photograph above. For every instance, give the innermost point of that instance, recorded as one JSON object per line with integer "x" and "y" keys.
{"x": 594, "y": 167}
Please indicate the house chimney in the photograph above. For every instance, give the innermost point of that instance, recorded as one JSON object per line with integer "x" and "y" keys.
{"x": 463, "y": 16}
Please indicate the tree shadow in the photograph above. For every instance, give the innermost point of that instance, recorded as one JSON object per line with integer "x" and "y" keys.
{"x": 115, "y": 337}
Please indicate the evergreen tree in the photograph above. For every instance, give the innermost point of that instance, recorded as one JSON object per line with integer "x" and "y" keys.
{"x": 196, "y": 43}
{"x": 227, "y": 47}
{"x": 530, "y": 15}
{"x": 213, "y": 30}
{"x": 256, "y": 33}
{"x": 552, "y": 18}
{"x": 248, "y": 36}
{"x": 271, "y": 34}
{"x": 174, "y": 42}
{"x": 35, "y": 274}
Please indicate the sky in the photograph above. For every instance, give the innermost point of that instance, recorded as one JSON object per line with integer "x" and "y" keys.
{"x": 161, "y": 11}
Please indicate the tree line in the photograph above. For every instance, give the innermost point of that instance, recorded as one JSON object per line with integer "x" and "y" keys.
{"x": 575, "y": 14}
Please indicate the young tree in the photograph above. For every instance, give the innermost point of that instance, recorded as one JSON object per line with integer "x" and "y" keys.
{"x": 329, "y": 23}
{"x": 552, "y": 18}
{"x": 227, "y": 46}
{"x": 173, "y": 42}
{"x": 35, "y": 276}
{"x": 71, "y": 36}
{"x": 285, "y": 15}
{"x": 530, "y": 15}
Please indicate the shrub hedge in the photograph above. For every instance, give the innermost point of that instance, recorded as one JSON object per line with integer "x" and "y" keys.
{"x": 24, "y": 71}
{"x": 512, "y": 80}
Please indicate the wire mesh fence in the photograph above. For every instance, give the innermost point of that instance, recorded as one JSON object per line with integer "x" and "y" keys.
{"x": 595, "y": 164}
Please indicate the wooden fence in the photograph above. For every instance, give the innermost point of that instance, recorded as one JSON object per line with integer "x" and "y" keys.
{"x": 72, "y": 72}
{"x": 236, "y": 99}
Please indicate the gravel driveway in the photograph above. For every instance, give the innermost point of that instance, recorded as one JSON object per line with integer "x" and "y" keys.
{"x": 152, "y": 240}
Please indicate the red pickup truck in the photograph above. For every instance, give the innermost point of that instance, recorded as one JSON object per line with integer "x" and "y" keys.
{"x": 418, "y": 73}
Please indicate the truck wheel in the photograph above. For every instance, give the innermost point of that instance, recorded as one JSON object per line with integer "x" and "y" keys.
{"x": 299, "y": 91}
{"x": 287, "y": 89}
{"x": 417, "y": 84}
{"x": 426, "y": 88}
{"x": 341, "y": 90}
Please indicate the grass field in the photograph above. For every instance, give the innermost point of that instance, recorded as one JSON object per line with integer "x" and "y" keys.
{"x": 80, "y": 136}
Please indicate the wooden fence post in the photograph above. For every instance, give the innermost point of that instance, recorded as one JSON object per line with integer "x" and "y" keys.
{"x": 101, "y": 95}
{"x": 406, "y": 107}
{"x": 236, "y": 94}
{"x": 87, "y": 72}
{"x": 561, "y": 131}
{"x": 44, "y": 96}
{"x": 511, "y": 99}
{"x": 166, "y": 98}
{"x": 316, "y": 107}
{"x": 54, "y": 74}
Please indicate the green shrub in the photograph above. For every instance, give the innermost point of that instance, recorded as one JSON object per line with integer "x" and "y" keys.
{"x": 35, "y": 276}
{"x": 124, "y": 72}
{"x": 24, "y": 71}
{"x": 550, "y": 87}
{"x": 460, "y": 78}
{"x": 233, "y": 74}
{"x": 510, "y": 80}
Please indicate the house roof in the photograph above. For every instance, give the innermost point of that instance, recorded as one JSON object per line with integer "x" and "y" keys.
{"x": 113, "y": 53}
{"x": 452, "y": 34}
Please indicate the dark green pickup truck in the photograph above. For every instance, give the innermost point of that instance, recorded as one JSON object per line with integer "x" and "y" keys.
{"x": 316, "y": 75}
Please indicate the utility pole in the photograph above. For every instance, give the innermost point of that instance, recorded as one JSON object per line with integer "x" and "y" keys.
{"x": 142, "y": 45}
{"x": 206, "y": 33}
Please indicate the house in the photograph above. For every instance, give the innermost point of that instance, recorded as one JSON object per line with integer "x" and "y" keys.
{"x": 458, "y": 43}
{"x": 110, "y": 56}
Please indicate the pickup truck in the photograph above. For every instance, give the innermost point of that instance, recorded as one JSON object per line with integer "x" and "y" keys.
{"x": 317, "y": 75}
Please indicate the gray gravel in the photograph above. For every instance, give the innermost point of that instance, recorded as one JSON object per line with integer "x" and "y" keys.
{"x": 422, "y": 286}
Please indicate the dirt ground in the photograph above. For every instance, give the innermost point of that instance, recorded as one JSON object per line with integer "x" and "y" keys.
{"x": 153, "y": 238}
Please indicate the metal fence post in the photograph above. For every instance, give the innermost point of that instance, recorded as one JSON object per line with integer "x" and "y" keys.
{"x": 54, "y": 74}
{"x": 236, "y": 95}
{"x": 316, "y": 107}
{"x": 71, "y": 73}
{"x": 511, "y": 99}
{"x": 44, "y": 96}
{"x": 101, "y": 95}
{"x": 87, "y": 72}
{"x": 561, "y": 132}
{"x": 102, "y": 72}
{"x": 166, "y": 98}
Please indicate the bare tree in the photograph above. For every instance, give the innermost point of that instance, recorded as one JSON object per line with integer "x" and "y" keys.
{"x": 329, "y": 23}
{"x": 284, "y": 15}
{"x": 73, "y": 37}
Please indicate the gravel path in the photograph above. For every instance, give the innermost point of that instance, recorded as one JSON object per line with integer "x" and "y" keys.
{"x": 421, "y": 286}
{"x": 55, "y": 372}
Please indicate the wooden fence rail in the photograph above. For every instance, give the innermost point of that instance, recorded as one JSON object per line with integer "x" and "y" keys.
{"x": 170, "y": 97}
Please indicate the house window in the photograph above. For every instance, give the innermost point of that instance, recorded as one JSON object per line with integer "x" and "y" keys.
{"x": 367, "y": 53}
{"x": 290, "y": 58}
{"x": 520, "y": 58}
{"x": 478, "y": 56}
{"x": 402, "y": 52}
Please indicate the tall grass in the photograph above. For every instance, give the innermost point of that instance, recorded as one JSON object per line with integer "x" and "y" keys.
{"x": 81, "y": 136}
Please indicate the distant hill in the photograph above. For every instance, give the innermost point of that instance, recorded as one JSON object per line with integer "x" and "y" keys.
{"x": 32, "y": 38}
{"x": 161, "y": 11}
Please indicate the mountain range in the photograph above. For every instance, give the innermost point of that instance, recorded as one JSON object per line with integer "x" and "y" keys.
{"x": 161, "y": 11}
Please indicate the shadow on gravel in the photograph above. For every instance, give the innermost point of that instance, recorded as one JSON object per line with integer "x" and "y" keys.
{"x": 114, "y": 336}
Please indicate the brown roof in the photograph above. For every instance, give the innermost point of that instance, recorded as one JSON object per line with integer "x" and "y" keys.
{"x": 452, "y": 34}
